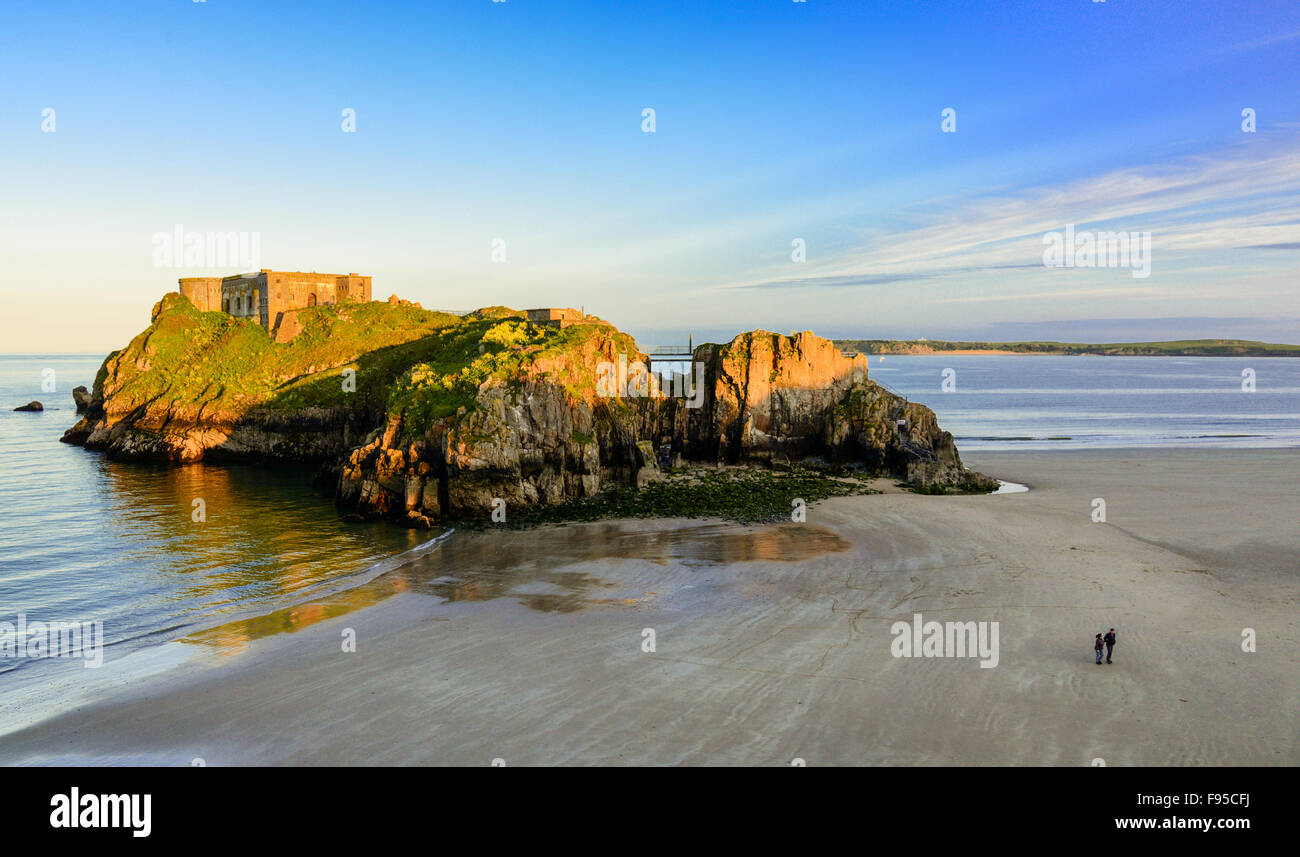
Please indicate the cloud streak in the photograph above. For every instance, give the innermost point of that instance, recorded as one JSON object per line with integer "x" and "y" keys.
{"x": 1245, "y": 197}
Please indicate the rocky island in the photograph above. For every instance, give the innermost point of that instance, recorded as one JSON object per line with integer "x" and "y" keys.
{"x": 423, "y": 416}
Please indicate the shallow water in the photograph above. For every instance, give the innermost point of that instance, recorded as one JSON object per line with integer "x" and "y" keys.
{"x": 541, "y": 569}
{"x": 85, "y": 539}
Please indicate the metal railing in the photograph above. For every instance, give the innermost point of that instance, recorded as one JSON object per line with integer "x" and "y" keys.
{"x": 903, "y": 440}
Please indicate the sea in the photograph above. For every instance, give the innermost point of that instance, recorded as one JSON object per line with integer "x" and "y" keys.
{"x": 1008, "y": 402}
{"x": 160, "y": 556}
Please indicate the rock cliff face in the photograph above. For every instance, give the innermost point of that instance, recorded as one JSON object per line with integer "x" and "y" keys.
{"x": 773, "y": 397}
{"x": 447, "y": 416}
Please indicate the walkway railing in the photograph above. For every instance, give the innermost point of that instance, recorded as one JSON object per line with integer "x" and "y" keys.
{"x": 671, "y": 353}
{"x": 903, "y": 440}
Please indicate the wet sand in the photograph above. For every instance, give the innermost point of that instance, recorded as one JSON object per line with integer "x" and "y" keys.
{"x": 773, "y": 643}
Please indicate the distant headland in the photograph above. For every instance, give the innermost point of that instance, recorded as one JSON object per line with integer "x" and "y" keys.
{"x": 1175, "y": 348}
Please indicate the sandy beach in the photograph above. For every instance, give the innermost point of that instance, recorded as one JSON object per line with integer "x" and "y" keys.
{"x": 774, "y": 643}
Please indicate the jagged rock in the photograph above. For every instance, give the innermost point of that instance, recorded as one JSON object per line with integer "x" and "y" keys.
{"x": 647, "y": 465}
{"x": 30, "y": 406}
{"x": 81, "y": 398}
{"x": 771, "y": 394}
{"x": 416, "y": 521}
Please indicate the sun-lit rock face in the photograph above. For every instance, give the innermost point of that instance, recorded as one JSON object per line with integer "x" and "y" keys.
{"x": 773, "y": 394}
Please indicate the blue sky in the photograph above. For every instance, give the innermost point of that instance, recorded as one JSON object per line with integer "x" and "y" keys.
{"x": 774, "y": 121}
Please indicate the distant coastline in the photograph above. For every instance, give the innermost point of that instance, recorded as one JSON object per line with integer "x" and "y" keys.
{"x": 1175, "y": 348}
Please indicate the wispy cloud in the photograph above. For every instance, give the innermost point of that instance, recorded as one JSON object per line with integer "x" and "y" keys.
{"x": 1266, "y": 42}
{"x": 854, "y": 280}
{"x": 1059, "y": 294}
{"x": 1247, "y": 196}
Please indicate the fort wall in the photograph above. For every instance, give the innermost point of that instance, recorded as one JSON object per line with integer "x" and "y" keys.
{"x": 561, "y": 316}
{"x": 203, "y": 292}
{"x": 267, "y": 295}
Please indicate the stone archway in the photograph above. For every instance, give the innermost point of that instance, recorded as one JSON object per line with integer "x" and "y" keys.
{"x": 311, "y": 299}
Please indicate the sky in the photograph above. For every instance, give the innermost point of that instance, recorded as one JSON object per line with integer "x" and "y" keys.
{"x": 500, "y": 153}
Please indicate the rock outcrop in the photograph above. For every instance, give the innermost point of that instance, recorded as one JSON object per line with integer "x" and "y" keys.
{"x": 81, "y": 398}
{"x": 420, "y": 416}
{"x": 30, "y": 406}
{"x": 774, "y": 398}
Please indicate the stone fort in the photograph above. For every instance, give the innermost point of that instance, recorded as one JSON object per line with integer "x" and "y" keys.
{"x": 274, "y": 297}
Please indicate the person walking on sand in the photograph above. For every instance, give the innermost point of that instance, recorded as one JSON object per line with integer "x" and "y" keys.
{"x": 1097, "y": 648}
{"x": 1110, "y": 643}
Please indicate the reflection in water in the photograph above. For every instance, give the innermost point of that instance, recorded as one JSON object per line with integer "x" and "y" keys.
{"x": 535, "y": 567}
{"x": 265, "y": 533}
{"x": 84, "y": 538}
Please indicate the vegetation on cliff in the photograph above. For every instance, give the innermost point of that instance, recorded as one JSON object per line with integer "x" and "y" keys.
{"x": 368, "y": 358}
{"x": 229, "y": 364}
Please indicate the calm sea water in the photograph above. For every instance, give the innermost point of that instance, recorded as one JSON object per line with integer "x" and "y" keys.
{"x": 83, "y": 538}
{"x": 1059, "y": 402}
{"x": 86, "y": 539}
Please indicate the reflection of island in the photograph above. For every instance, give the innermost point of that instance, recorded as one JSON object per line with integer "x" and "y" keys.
{"x": 538, "y": 570}
{"x": 196, "y": 524}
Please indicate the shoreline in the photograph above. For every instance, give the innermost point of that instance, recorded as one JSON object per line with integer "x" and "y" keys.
{"x": 771, "y": 647}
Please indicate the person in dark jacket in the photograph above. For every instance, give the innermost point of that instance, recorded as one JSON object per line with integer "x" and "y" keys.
{"x": 1109, "y": 639}
{"x": 1097, "y": 648}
